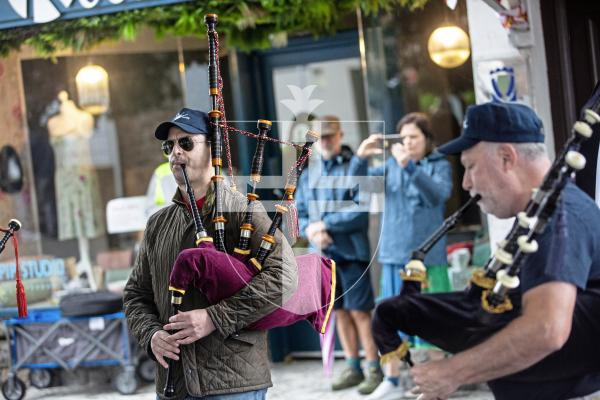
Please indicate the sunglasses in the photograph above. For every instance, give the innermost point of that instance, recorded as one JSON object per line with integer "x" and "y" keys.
{"x": 186, "y": 143}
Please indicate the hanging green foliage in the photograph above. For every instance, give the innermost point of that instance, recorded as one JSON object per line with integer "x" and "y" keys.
{"x": 246, "y": 25}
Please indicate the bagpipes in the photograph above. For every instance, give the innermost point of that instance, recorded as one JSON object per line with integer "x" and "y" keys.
{"x": 218, "y": 275}
{"x": 491, "y": 285}
{"x": 13, "y": 226}
{"x": 500, "y": 275}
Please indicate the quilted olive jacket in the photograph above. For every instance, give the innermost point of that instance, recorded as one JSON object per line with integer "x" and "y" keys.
{"x": 230, "y": 359}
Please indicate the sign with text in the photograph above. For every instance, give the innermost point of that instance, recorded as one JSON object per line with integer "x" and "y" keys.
{"x": 33, "y": 268}
{"x": 21, "y": 13}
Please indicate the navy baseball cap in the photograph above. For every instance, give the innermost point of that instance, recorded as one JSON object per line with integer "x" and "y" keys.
{"x": 496, "y": 122}
{"x": 188, "y": 120}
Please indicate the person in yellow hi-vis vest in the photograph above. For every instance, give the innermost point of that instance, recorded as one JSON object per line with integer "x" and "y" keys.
{"x": 161, "y": 189}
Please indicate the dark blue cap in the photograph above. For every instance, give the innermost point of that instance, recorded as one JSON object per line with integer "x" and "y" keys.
{"x": 188, "y": 120}
{"x": 496, "y": 122}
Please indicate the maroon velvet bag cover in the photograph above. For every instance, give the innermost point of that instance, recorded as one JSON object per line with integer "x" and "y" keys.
{"x": 219, "y": 275}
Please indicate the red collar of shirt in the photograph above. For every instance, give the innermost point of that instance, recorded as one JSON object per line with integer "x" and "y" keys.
{"x": 199, "y": 204}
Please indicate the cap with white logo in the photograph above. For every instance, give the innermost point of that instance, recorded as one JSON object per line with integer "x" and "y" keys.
{"x": 188, "y": 120}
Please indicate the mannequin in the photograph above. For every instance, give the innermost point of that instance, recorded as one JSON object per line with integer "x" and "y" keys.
{"x": 77, "y": 191}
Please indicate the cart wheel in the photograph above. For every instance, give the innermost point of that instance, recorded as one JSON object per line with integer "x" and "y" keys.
{"x": 125, "y": 382}
{"x": 146, "y": 369}
{"x": 13, "y": 389}
{"x": 41, "y": 378}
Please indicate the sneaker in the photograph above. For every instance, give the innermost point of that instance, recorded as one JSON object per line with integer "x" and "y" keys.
{"x": 349, "y": 377}
{"x": 371, "y": 382}
{"x": 386, "y": 391}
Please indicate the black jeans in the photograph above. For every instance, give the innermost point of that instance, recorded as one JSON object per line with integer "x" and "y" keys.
{"x": 455, "y": 322}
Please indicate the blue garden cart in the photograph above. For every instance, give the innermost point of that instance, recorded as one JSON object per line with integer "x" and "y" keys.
{"x": 46, "y": 341}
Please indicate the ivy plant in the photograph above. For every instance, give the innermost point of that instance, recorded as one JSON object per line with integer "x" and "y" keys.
{"x": 246, "y": 25}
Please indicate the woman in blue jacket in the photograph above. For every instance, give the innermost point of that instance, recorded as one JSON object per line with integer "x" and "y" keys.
{"x": 417, "y": 184}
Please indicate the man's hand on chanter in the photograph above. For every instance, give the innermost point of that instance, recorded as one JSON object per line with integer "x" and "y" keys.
{"x": 162, "y": 346}
{"x": 190, "y": 326}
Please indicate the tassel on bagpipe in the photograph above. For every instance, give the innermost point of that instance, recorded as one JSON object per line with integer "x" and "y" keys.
{"x": 414, "y": 274}
{"x": 501, "y": 273}
{"x": 292, "y": 184}
{"x": 13, "y": 226}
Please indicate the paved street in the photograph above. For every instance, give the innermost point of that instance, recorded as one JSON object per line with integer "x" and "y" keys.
{"x": 315, "y": 386}
{"x": 297, "y": 380}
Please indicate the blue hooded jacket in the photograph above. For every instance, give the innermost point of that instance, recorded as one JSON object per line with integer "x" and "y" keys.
{"x": 415, "y": 199}
{"x": 347, "y": 227}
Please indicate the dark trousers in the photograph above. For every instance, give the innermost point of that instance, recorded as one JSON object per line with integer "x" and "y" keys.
{"x": 455, "y": 322}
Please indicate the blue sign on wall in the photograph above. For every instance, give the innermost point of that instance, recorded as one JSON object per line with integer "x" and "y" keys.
{"x": 19, "y": 13}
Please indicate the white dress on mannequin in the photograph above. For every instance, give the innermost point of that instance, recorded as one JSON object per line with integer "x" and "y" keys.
{"x": 78, "y": 200}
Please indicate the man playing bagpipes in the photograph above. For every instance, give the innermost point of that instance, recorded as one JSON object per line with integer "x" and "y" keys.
{"x": 225, "y": 264}
{"x": 231, "y": 360}
{"x": 544, "y": 344}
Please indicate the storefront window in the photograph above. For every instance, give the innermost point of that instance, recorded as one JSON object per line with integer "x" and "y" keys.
{"x": 109, "y": 154}
{"x": 82, "y": 160}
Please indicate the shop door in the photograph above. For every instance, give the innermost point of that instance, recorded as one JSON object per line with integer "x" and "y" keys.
{"x": 331, "y": 66}
{"x": 302, "y": 81}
